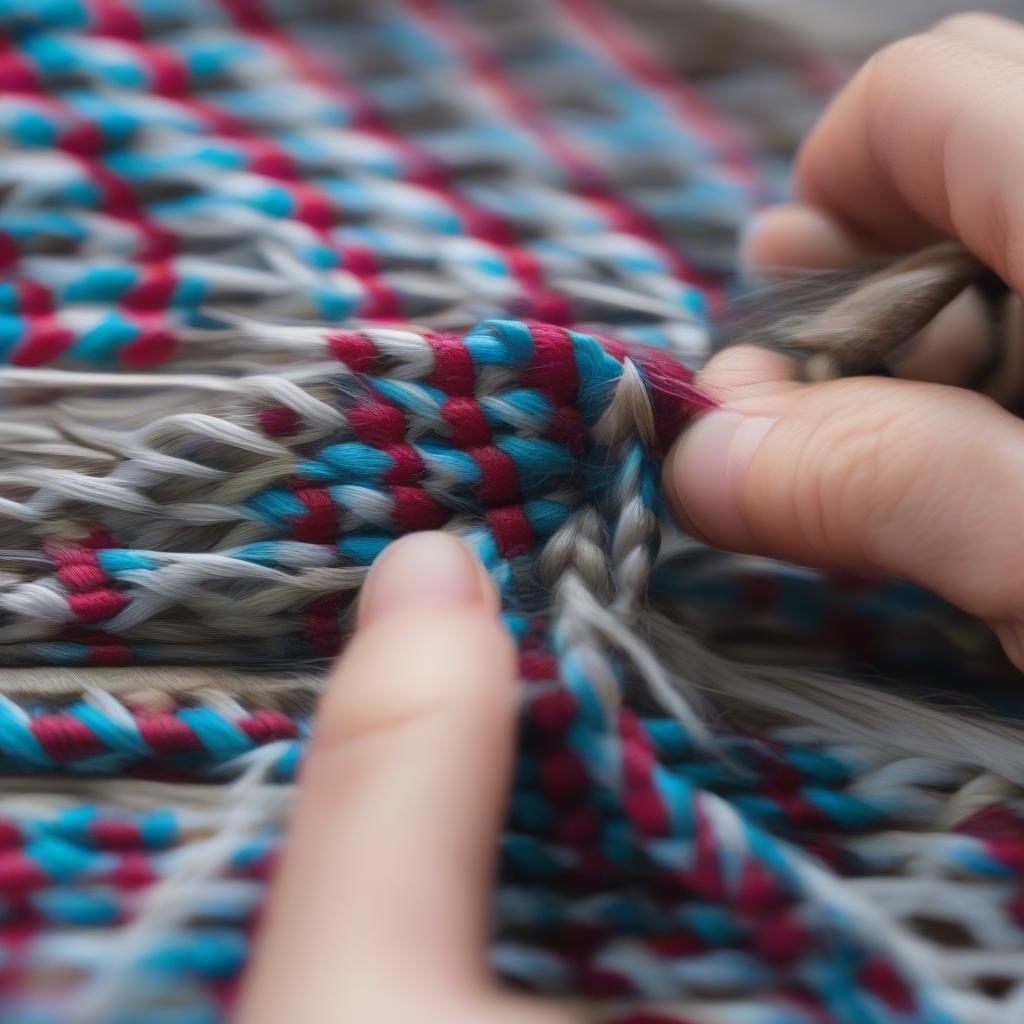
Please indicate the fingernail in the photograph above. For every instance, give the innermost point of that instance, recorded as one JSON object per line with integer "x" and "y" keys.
{"x": 706, "y": 471}
{"x": 424, "y": 570}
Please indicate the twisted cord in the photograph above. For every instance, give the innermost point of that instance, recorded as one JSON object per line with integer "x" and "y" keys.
{"x": 853, "y": 332}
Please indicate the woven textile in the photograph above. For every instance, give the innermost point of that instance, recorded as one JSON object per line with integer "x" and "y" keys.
{"x": 283, "y": 284}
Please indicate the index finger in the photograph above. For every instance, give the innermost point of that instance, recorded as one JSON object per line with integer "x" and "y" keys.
{"x": 918, "y": 145}
{"x": 385, "y": 874}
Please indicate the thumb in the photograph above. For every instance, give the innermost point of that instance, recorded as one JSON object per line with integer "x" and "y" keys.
{"x": 917, "y": 480}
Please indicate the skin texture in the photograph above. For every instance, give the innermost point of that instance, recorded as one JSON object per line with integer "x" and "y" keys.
{"x": 378, "y": 912}
{"x": 901, "y": 476}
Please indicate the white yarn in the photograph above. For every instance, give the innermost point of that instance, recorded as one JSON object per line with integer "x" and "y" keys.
{"x": 248, "y": 805}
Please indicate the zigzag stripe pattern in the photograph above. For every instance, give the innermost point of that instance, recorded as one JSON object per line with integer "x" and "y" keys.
{"x": 152, "y": 143}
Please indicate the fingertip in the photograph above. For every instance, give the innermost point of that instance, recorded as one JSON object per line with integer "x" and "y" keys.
{"x": 742, "y": 371}
{"x": 1006, "y": 384}
{"x": 1011, "y": 636}
{"x": 413, "y": 663}
{"x": 704, "y": 468}
{"x": 953, "y": 348}
{"x": 425, "y": 570}
{"x": 784, "y": 239}
{"x": 704, "y": 473}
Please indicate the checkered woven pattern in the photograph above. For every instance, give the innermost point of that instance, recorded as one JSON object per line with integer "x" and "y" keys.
{"x": 283, "y": 283}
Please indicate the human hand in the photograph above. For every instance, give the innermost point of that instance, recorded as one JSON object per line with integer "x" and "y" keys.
{"x": 908, "y": 476}
{"x": 379, "y": 910}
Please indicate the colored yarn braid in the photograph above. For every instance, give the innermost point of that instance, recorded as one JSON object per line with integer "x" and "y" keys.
{"x": 257, "y": 321}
